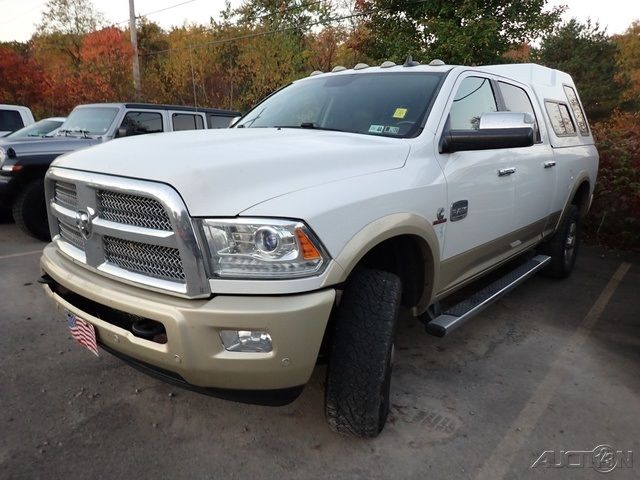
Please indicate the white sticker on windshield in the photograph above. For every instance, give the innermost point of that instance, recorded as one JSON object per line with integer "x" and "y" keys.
{"x": 376, "y": 129}
{"x": 394, "y": 130}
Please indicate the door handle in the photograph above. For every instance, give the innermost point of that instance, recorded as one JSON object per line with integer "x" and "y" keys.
{"x": 503, "y": 172}
{"x": 549, "y": 164}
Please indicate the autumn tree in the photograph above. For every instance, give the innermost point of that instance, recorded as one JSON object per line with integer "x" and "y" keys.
{"x": 628, "y": 63}
{"x": 66, "y": 22}
{"x": 585, "y": 52}
{"x": 22, "y": 79}
{"x": 458, "y": 32}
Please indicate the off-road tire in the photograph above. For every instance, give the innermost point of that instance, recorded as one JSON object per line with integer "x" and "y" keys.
{"x": 360, "y": 362}
{"x": 563, "y": 246}
{"x": 30, "y": 211}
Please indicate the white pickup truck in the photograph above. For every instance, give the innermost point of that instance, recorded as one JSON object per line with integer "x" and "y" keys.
{"x": 230, "y": 261}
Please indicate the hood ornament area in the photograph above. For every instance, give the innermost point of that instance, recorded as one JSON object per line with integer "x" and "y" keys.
{"x": 84, "y": 222}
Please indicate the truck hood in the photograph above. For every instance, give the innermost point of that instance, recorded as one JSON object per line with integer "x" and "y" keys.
{"x": 35, "y": 146}
{"x": 224, "y": 172}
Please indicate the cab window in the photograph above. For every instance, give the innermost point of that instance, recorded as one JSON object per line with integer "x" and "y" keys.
{"x": 218, "y": 121}
{"x": 187, "y": 121}
{"x": 474, "y": 97}
{"x": 139, "y": 123}
{"x": 10, "y": 120}
{"x": 517, "y": 100}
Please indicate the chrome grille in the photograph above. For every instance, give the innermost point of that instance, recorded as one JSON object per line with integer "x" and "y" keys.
{"x": 65, "y": 195}
{"x": 71, "y": 235}
{"x": 133, "y": 210}
{"x": 139, "y": 232}
{"x": 152, "y": 260}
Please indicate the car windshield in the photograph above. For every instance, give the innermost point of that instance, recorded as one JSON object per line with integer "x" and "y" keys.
{"x": 38, "y": 129}
{"x": 391, "y": 104}
{"x": 89, "y": 120}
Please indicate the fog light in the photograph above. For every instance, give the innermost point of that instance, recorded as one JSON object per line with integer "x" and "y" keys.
{"x": 246, "y": 341}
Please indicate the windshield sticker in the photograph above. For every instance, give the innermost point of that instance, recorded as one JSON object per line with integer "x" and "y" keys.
{"x": 376, "y": 129}
{"x": 393, "y": 130}
{"x": 400, "y": 113}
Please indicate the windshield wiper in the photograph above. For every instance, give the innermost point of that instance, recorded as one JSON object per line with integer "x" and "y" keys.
{"x": 310, "y": 126}
{"x": 85, "y": 133}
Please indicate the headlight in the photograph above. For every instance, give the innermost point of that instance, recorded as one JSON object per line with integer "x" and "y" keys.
{"x": 3, "y": 156}
{"x": 262, "y": 248}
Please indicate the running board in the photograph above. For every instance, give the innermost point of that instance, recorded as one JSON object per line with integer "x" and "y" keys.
{"x": 463, "y": 311}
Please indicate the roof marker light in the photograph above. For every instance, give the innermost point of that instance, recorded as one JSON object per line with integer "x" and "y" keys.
{"x": 387, "y": 64}
{"x": 361, "y": 66}
{"x": 338, "y": 68}
{"x": 436, "y": 63}
{"x": 315, "y": 72}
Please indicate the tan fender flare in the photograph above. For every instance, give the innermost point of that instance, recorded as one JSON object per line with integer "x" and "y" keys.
{"x": 385, "y": 228}
{"x": 581, "y": 178}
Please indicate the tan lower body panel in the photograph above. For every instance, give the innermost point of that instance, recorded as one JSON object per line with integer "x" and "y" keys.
{"x": 462, "y": 269}
{"x": 194, "y": 350}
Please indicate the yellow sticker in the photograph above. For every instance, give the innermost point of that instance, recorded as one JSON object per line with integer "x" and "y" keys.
{"x": 400, "y": 113}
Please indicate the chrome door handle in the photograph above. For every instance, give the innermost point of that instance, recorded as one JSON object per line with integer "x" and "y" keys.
{"x": 503, "y": 172}
{"x": 549, "y": 164}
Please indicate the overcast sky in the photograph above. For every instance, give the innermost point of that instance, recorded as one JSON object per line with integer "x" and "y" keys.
{"x": 19, "y": 17}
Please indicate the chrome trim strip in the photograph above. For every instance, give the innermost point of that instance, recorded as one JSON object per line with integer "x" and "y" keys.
{"x": 162, "y": 238}
{"x": 183, "y": 235}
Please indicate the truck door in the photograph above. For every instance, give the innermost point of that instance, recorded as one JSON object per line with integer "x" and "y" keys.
{"x": 536, "y": 172}
{"x": 480, "y": 208}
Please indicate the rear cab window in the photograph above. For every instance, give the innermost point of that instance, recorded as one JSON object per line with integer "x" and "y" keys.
{"x": 218, "y": 121}
{"x": 10, "y": 121}
{"x": 560, "y": 118}
{"x": 187, "y": 121}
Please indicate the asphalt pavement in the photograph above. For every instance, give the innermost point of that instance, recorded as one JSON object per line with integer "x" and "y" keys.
{"x": 553, "y": 367}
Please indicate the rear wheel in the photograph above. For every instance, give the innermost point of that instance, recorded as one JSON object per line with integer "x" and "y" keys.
{"x": 30, "y": 211}
{"x": 563, "y": 246}
{"x": 360, "y": 363}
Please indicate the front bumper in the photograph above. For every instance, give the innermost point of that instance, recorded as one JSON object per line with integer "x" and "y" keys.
{"x": 193, "y": 350}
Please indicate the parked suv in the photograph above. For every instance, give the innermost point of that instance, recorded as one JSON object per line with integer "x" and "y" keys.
{"x": 24, "y": 161}
{"x": 334, "y": 203}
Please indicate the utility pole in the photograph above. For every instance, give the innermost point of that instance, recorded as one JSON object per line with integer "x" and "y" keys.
{"x": 134, "y": 44}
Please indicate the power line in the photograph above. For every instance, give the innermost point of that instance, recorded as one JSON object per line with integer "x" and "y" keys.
{"x": 279, "y": 30}
{"x": 155, "y": 11}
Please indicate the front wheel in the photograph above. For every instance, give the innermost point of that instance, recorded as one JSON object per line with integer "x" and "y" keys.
{"x": 30, "y": 210}
{"x": 359, "y": 372}
{"x": 563, "y": 245}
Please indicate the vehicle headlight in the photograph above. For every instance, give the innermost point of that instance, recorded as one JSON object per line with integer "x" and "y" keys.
{"x": 3, "y": 156}
{"x": 262, "y": 248}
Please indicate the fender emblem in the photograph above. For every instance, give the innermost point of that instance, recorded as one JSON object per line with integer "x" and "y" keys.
{"x": 440, "y": 217}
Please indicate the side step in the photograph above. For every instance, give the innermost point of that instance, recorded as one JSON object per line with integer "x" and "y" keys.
{"x": 463, "y": 311}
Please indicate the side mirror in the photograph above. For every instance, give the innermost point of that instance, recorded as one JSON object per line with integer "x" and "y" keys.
{"x": 121, "y": 132}
{"x": 496, "y": 130}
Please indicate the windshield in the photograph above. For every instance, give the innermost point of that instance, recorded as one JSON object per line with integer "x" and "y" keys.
{"x": 38, "y": 129}
{"x": 382, "y": 104}
{"x": 89, "y": 120}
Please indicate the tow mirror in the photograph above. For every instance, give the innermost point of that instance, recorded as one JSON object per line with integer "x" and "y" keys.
{"x": 495, "y": 130}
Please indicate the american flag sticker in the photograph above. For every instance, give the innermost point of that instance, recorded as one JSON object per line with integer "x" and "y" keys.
{"x": 83, "y": 332}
